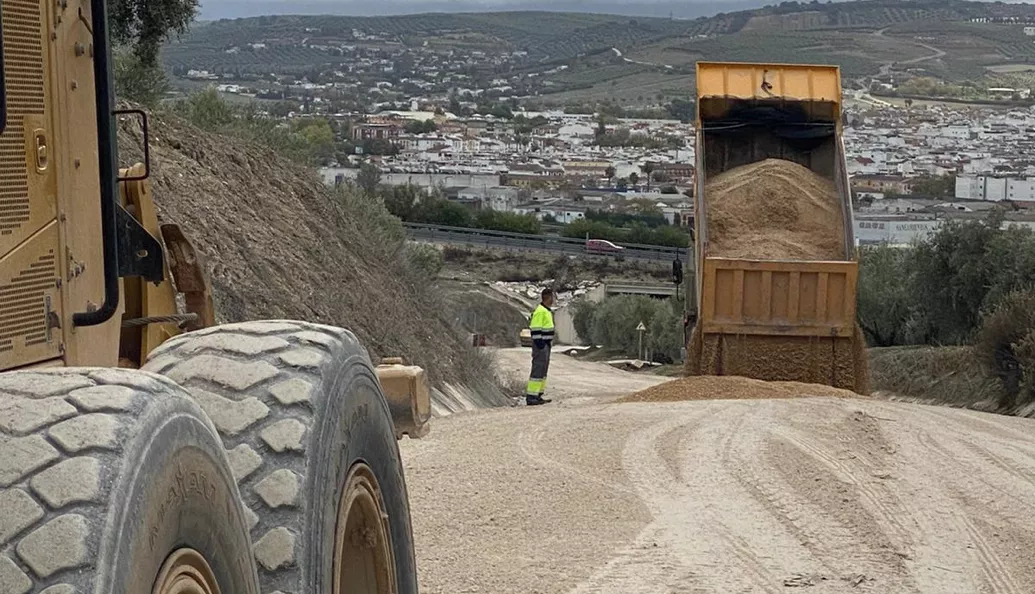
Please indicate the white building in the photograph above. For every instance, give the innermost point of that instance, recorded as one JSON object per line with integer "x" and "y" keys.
{"x": 498, "y": 198}
{"x": 995, "y": 189}
{"x": 560, "y": 213}
{"x": 1022, "y": 190}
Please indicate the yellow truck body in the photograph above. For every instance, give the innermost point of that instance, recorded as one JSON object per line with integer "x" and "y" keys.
{"x": 757, "y": 317}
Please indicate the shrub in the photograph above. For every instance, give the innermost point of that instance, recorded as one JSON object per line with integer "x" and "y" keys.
{"x": 1006, "y": 346}
{"x": 614, "y": 323}
{"x": 426, "y": 258}
{"x": 885, "y": 302}
{"x": 935, "y": 292}
{"x": 136, "y": 81}
{"x": 507, "y": 221}
{"x": 582, "y": 318}
{"x": 666, "y": 333}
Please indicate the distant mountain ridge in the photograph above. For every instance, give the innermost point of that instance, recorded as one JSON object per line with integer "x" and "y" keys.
{"x": 228, "y": 9}
{"x": 949, "y": 39}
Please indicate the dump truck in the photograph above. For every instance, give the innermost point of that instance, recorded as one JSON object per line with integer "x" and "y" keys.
{"x": 143, "y": 446}
{"x": 776, "y": 267}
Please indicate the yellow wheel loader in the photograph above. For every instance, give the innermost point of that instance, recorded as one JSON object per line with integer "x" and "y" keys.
{"x": 143, "y": 448}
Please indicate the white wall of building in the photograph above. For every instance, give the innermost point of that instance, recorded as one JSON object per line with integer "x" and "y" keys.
{"x": 1020, "y": 189}
{"x": 892, "y": 232}
{"x": 995, "y": 188}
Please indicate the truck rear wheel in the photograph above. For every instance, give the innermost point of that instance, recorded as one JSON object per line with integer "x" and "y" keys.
{"x": 114, "y": 481}
{"x": 312, "y": 444}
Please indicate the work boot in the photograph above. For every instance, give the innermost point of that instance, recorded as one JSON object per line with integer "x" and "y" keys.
{"x": 536, "y": 400}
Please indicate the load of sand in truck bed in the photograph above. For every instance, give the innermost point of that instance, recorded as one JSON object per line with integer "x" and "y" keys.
{"x": 774, "y": 210}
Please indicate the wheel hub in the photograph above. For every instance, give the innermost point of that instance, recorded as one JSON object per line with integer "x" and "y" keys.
{"x": 363, "y": 558}
{"x": 185, "y": 572}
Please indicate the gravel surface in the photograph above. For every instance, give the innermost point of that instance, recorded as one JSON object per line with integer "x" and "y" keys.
{"x": 829, "y": 494}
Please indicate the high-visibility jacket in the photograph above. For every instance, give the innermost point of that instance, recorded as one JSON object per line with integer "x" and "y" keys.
{"x": 541, "y": 324}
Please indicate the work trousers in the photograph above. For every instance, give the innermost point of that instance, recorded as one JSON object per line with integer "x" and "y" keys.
{"x": 540, "y": 365}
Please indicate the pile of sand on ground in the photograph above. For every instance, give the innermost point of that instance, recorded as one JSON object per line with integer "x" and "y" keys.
{"x": 279, "y": 243}
{"x": 710, "y": 387}
{"x": 774, "y": 210}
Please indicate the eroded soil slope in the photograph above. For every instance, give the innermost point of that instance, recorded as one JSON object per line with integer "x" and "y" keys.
{"x": 280, "y": 244}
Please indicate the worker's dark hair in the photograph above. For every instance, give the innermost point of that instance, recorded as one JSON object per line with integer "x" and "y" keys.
{"x": 546, "y": 293}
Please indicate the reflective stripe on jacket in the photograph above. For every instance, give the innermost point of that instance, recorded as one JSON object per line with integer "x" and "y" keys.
{"x": 541, "y": 324}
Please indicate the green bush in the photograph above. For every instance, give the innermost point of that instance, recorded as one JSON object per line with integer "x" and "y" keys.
{"x": 885, "y": 302}
{"x": 1006, "y": 346}
{"x": 614, "y": 320}
{"x": 425, "y": 257}
{"x": 636, "y": 232}
{"x": 136, "y": 81}
{"x": 583, "y": 311}
{"x": 307, "y": 144}
{"x": 935, "y": 292}
{"x": 507, "y": 221}
{"x": 440, "y": 211}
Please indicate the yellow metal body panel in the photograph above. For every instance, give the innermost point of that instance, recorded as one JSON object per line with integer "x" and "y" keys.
{"x": 408, "y": 394}
{"x": 49, "y": 180}
{"x": 30, "y": 252}
{"x": 794, "y": 82}
{"x": 784, "y": 298}
{"x": 76, "y": 161}
{"x": 721, "y": 84}
{"x": 29, "y": 305}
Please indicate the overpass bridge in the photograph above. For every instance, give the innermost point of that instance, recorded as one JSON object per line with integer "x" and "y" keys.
{"x": 661, "y": 290}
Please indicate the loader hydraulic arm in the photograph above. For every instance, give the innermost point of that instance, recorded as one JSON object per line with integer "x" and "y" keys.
{"x": 108, "y": 161}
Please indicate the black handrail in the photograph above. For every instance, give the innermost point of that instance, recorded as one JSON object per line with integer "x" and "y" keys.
{"x": 108, "y": 162}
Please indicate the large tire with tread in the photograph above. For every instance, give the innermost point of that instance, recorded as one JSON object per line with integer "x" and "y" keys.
{"x": 110, "y": 478}
{"x": 304, "y": 420}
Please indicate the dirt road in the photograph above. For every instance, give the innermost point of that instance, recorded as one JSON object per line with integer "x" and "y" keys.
{"x": 586, "y": 497}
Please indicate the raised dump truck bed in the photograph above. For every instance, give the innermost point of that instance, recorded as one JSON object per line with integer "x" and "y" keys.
{"x": 769, "y": 312}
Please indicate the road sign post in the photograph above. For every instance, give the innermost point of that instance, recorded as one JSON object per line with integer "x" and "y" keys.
{"x": 641, "y": 329}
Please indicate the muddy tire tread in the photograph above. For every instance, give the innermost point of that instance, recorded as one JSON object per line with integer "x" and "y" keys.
{"x": 62, "y": 434}
{"x": 255, "y": 380}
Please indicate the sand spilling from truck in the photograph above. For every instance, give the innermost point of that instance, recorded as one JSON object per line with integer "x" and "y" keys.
{"x": 837, "y": 362}
{"x": 732, "y": 388}
{"x": 774, "y": 210}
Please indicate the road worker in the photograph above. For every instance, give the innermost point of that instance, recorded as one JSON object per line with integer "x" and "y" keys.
{"x": 541, "y": 326}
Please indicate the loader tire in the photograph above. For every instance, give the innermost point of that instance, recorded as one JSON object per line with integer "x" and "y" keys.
{"x": 114, "y": 481}
{"x": 307, "y": 429}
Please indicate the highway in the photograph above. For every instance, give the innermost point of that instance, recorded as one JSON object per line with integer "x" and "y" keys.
{"x": 462, "y": 236}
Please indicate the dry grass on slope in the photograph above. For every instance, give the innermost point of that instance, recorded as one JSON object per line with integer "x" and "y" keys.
{"x": 280, "y": 244}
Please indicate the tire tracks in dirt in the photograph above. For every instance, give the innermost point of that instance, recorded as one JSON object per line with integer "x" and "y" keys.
{"x": 956, "y": 486}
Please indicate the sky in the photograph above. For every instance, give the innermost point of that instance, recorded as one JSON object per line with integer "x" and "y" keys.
{"x": 218, "y": 9}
